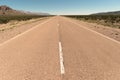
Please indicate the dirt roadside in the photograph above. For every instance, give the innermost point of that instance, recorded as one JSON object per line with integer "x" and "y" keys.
{"x": 106, "y": 30}
{"x": 14, "y": 28}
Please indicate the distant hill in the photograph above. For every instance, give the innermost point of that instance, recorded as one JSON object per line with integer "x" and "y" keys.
{"x": 35, "y": 13}
{"x": 108, "y": 13}
{"x": 5, "y": 10}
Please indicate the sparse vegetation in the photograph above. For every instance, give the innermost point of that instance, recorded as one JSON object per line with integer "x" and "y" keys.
{"x": 107, "y": 20}
{"x": 7, "y": 14}
{"x": 7, "y": 18}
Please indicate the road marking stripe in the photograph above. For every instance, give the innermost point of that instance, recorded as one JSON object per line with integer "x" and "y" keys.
{"x": 61, "y": 59}
{"x": 24, "y": 33}
{"x": 97, "y": 33}
{"x": 62, "y": 68}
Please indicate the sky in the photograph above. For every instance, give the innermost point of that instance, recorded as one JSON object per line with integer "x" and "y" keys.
{"x": 64, "y": 7}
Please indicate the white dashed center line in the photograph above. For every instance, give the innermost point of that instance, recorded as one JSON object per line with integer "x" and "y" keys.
{"x": 61, "y": 59}
{"x": 62, "y": 69}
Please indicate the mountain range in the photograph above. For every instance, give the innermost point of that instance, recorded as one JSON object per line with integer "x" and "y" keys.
{"x": 108, "y": 13}
{"x": 5, "y": 10}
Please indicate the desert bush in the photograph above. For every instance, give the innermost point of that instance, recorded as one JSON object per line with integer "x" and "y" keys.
{"x": 107, "y": 19}
{"x": 7, "y": 18}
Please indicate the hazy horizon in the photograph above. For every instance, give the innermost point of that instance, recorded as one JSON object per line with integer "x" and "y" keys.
{"x": 64, "y": 7}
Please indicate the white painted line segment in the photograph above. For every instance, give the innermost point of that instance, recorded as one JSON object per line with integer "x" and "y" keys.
{"x": 62, "y": 68}
{"x": 24, "y": 33}
{"x": 61, "y": 59}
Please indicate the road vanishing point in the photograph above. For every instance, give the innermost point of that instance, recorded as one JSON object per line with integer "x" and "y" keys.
{"x": 60, "y": 48}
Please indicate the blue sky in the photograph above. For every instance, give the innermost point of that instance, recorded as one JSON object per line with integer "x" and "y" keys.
{"x": 64, "y": 6}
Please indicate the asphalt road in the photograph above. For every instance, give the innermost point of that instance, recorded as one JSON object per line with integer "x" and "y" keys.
{"x": 60, "y": 49}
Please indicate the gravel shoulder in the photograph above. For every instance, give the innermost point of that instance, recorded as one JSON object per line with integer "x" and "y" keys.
{"x": 106, "y": 30}
{"x": 13, "y": 28}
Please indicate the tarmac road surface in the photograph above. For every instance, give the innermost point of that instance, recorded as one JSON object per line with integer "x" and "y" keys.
{"x": 60, "y": 49}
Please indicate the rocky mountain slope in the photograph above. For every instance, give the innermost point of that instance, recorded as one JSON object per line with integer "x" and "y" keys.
{"x": 5, "y": 10}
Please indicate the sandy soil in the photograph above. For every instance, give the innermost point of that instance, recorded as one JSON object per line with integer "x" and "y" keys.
{"x": 14, "y": 28}
{"x": 108, "y": 31}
